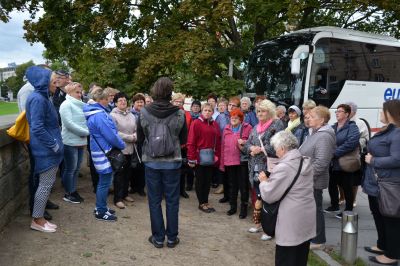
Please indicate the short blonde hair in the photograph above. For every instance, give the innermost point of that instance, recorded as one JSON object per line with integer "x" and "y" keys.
{"x": 322, "y": 112}
{"x": 99, "y": 93}
{"x": 110, "y": 90}
{"x": 269, "y": 106}
{"x": 204, "y": 105}
{"x": 73, "y": 86}
{"x": 178, "y": 96}
{"x": 309, "y": 104}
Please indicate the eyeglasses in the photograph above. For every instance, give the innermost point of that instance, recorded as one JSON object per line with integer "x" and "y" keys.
{"x": 121, "y": 100}
{"x": 179, "y": 102}
{"x": 232, "y": 105}
{"x": 340, "y": 111}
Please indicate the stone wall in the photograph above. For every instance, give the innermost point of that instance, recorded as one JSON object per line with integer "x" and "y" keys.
{"x": 14, "y": 171}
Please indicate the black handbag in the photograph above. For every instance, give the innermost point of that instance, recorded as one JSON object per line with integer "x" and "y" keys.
{"x": 115, "y": 157}
{"x": 269, "y": 212}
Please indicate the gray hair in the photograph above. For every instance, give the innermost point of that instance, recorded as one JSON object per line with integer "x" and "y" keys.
{"x": 99, "y": 93}
{"x": 246, "y": 99}
{"x": 353, "y": 106}
{"x": 285, "y": 140}
{"x": 281, "y": 107}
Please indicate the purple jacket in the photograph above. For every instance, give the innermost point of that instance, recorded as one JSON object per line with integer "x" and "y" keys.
{"x": 230, "y": 152}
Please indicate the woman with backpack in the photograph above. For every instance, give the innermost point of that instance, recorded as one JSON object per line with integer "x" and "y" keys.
{"x": 204, "y": 148}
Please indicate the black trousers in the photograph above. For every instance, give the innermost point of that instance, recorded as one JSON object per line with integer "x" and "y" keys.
{"x": 121, "y": 180}
{"x": 344, "y": 180}
{"x": 379, "y": 224}
{"x": 203, "y": 182}
{"x": 137, "y": 178}
{"x": 392, "y": 237}
{"x": 239, "y": 181}
{"x": 292, "y": 255}
{"x": 187, "y": 174}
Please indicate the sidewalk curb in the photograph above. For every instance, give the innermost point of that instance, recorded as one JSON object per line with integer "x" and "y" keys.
{"x": 325, "y": 257}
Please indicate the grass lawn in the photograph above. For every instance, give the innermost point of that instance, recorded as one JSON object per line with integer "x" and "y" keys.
{"x": 7, "y": 108}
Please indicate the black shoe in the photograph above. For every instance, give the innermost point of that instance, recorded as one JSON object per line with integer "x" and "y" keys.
{"x": 47, "y": 216}
{"x": 214, "y": 185}
{"x": 223, "y": 200}
{"x": 189, "y": 188}
{"x": 155, "y": 243}
{"x": 232, "y": 211}
{"x": 71, "y": 198}
{"x": 369, "y": 249}
{"x": 243, "y": 211}
{"x": 373, "y": 259}
{"x": 76, "y": 194}
{"x": 142, "y": 193}
{"x": 332, "y": 209}
{"x": 173, "y": 244}
{"x": 51, "y": 206}
{"x": 105, "y": 216}
{"x": 339, "y": 215}
{"x": 184, "y": 195}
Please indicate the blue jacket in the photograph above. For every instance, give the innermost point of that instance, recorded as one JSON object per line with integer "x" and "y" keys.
{"x": 300, "y": 132}
{"x": 223, "y": 120}
{"x": 347, "y": 140}
{"x": 384, "y": 147}
{"x": 102, "y": 128}
{"x": 250, "y": 118}
{"x": 45, "y": 133}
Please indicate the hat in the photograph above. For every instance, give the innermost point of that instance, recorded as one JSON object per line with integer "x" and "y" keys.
{"x": 62, "y": 72}
{"x": 296, "y": 109}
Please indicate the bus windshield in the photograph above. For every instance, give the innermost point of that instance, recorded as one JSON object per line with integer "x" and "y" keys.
{"x": 268, "y": 71}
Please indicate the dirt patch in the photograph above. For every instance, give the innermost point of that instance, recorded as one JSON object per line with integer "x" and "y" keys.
{"x": 206, "y": 239}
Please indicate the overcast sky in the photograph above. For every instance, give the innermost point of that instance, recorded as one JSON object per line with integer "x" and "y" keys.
{"x": 13, "y": 47}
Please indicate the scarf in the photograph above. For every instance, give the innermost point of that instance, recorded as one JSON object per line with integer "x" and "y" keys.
{"x": 194, "y": 115}
{"x": 292, "y": 124}
{"x": 263, "y": 127}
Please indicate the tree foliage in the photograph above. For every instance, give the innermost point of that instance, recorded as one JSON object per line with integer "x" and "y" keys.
{"x": 131, "y": 43}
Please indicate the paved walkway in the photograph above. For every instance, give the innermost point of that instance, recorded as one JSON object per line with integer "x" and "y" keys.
{"x": 366, "y": 228}
{"x": 7, "y": 119}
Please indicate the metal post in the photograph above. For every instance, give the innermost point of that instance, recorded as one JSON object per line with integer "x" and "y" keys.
{"x": 348, "y": 248}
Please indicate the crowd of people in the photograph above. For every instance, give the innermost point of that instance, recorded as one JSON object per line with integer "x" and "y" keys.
{"x": 234, "y": 145}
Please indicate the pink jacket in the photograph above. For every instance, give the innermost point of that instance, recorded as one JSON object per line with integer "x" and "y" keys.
{"x": 230, "y": 152}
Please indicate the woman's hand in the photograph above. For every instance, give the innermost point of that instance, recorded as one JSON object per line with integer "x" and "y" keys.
{"x": 368, "y": 158}
{"x": 191, "y": 165}
{"x": 241, "y": 141}
{"x": 262, "y": 176}
{"x": 254, "y": 150}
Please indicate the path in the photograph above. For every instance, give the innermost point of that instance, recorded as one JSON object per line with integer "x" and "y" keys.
{"x": 206, "y": 239}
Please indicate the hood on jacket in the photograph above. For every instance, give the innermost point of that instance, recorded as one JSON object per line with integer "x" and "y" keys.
{"x": 328, "y": 129}
{"x": 74, "y": 101}
{"x": 39, "y": 77}
{"x": 161, "y": 108}
{"x": 91, "y": 109}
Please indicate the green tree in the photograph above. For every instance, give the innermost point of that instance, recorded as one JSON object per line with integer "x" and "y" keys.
{"x": 190, "y": 40}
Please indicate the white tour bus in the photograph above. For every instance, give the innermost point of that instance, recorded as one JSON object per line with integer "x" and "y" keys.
{"x": 330, "y": 66}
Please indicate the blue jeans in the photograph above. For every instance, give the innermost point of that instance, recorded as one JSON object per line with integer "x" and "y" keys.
{"x": 102, "y": 192}
{"x": 167, "y": 182}
{"x": 72, "y": 163}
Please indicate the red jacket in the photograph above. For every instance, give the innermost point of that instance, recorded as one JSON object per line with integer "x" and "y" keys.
{"x": 230, "y": 152}
{"x": 203, "y": 134}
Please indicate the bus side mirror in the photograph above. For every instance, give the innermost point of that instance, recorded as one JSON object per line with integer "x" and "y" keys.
{"x": 301, "y": 52}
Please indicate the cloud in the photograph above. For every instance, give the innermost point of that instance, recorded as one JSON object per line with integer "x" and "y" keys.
{"x": 13, "y": 47}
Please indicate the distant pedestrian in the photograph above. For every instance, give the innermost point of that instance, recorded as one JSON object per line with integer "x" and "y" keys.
{"x": 250, "y": 116}
{"x": 295, "y": 126}
{"x": 281, "y": 114}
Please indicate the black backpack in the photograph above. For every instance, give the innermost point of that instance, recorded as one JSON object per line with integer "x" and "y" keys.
{"x": 159, "y": 142}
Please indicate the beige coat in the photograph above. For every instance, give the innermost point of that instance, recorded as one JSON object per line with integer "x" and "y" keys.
{"x": 296, "y": 218}
{"x": 126, "y": 126}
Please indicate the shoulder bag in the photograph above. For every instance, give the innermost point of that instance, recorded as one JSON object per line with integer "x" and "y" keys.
{"x": 350, "y": 162}
{"x": 207, "y": 156}
{"x": 115, "y": 156}
{"x": 269, "y": 211}
{"x": 388, "y": 197}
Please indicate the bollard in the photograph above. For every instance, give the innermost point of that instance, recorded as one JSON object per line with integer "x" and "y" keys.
{"x": 348, "y": 248}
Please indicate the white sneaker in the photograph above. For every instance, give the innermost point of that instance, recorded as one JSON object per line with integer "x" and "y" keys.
{"x": 265, "y": 237}
{"x": 255, "y": 229}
